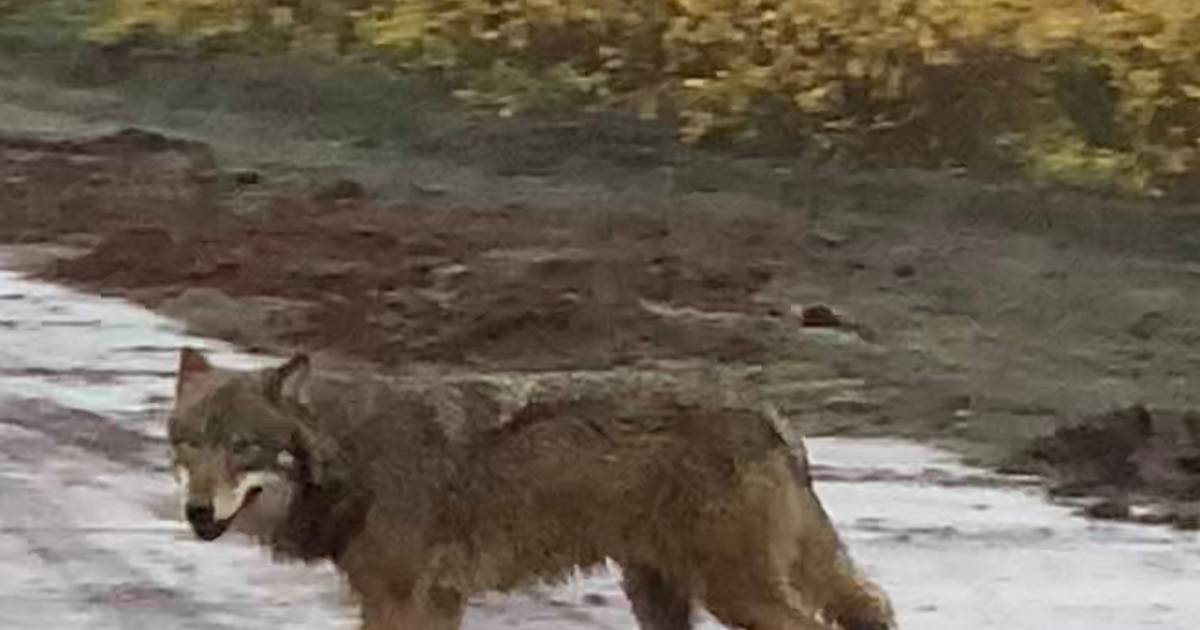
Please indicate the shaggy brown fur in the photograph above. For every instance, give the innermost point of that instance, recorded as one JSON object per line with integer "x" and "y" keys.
{"x": 425, "y": 493}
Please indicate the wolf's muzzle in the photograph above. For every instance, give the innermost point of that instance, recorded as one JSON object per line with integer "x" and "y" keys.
{"x": 203, "y": 521}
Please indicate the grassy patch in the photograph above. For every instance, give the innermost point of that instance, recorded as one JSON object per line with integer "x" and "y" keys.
{"x": 1075, "y": 91}
{"x": 45, "y": 25}
{"x": 321, "y": 101}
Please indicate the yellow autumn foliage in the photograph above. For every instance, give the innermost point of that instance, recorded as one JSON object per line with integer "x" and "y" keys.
{"x": 1100, "y": 93}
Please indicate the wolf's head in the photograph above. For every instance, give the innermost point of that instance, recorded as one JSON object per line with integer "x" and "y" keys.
{"x": 239, "y": 444}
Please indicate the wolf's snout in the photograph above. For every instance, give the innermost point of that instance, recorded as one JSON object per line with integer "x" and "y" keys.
{"x": 203, "y": 520}
{"x": 199, "y": 514}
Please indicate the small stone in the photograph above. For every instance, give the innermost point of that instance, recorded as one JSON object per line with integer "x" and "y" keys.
{"x": 143, "y": 138}
{"x": 246, "y": 177}
{"x": 1156, "y": 517}
{"x": 904, "y": 270}
{"x": 1110, "y": 509}
{"x": 367, "y": 230}
{"x": 819, "y": 315}
{"x": 595, "y": 599}
{"x": 1070, "y": 490}
{"x": 340, "y": 190}
{"x": 1148, "y": 325}
{"x": 829, "y": 238}
{"x": 425, "y": 189}
{"x": 449, "y": 273}
{"x": 205, "y": 176}
{"x": 851, "y": 405}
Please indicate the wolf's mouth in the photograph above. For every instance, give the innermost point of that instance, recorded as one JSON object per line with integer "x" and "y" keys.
{"x": 251, "y": 496}
{"x": 208, "y": 529}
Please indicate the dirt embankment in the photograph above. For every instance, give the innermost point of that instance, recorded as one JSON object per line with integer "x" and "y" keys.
{"x": 915, "y": 322}
{"x": 506, "y": 287}
{"x": 1130, "y": 458}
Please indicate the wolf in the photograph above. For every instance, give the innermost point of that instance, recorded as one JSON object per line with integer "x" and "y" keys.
{"x": 426, "y": 491}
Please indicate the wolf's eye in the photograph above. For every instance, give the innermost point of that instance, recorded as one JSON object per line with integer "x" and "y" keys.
{"x": 246, "y": 455}
{"x": 243, "y": 446}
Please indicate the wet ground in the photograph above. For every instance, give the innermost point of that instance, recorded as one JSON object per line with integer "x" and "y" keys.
{"x": 89, "y": 537}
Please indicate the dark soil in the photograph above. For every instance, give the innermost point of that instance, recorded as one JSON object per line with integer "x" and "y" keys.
{"x": 497, "y": 287}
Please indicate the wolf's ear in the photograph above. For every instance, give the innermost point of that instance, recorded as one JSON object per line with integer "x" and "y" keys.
{"x": 191, "y": 364}
{"x": 289, "y": 381}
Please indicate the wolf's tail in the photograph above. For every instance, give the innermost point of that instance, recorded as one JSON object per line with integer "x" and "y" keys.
{"x": 823, "y": 570}
{"x": 858, "y": 604}
{"x": 844, "y": 594}
{"x": 826, "y": 573}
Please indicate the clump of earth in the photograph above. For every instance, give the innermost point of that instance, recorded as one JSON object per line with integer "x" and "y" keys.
{"x": 1129, "y": 458}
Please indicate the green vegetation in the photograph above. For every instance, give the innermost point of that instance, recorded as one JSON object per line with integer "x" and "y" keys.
{"x": 45, "y": 24}
{"x": 1097, "y": 94}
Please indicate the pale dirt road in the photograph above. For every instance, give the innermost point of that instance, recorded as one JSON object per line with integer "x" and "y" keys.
{"x": 88, "y": 537}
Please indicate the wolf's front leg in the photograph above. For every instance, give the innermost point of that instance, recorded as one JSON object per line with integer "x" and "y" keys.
{"x": 657, "y": 603}
{"x": 437, "y": 610}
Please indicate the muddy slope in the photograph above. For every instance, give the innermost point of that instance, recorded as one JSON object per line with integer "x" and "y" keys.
{"x": 503, "y": 287}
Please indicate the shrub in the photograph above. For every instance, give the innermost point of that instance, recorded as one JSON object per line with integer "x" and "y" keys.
{"x": 1099, "y": 93}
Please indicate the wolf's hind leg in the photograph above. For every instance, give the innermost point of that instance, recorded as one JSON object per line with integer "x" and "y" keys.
{"x": 657, "y": 603}
{"x": 435, "y": 613}
{"x": 764, "y": 614}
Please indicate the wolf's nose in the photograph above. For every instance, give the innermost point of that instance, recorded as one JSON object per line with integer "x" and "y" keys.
{"x": 198, "y": 514}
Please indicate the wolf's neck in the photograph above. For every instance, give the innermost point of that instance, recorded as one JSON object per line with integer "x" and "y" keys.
{"x": 320, "y": 522}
